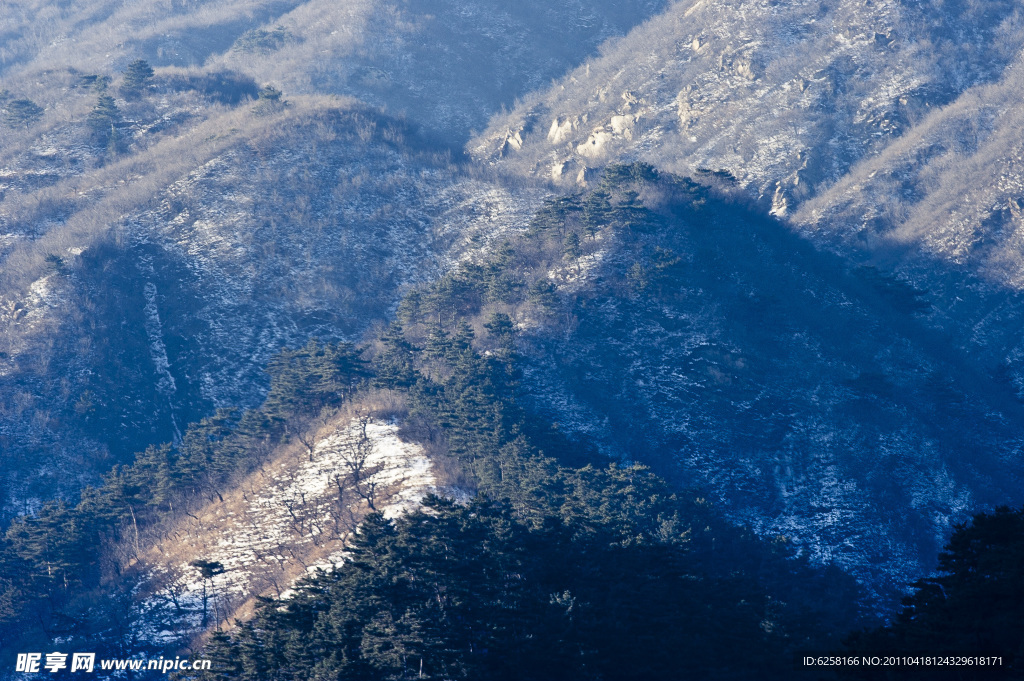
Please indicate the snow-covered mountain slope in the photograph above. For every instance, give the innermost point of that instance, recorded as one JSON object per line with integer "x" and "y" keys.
{"x": 157, "y": 248}
{"x": 808, "y": 396}
{"x": 785, "y": 96}
{"x": 152, "y": 264}
{"x": 292, "y": 516}
{"x": 162, "y": 293}
{"x": 448, "y": 65}
{"x": 887, "y": 132}
{"x": 889, "y": 126}
{"x": 951, "y": 188}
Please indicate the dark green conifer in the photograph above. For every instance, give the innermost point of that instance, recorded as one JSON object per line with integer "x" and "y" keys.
{"x": 572, "y": 249}
{"x": 104, "y": 120}
{"x": 21, "y": 113}
{"x": 269, "y": 99}
{"x": 597, "y": 208}
{"x": 136, "y": 77}
{"x": 500, "y": 326}
{"x": 393, "y": 367}
{"x": 970, "y": 607}
{"x": 544, "y": 293}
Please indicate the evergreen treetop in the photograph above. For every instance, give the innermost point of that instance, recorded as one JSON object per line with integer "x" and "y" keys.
{"x": 22, "y": 112}
{"x": 137, "y": 75}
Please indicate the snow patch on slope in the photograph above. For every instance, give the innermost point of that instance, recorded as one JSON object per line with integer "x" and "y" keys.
{"x": 290, "y": 518}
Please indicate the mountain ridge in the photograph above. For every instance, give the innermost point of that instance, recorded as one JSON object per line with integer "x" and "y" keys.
{"x": 769, "y": 249}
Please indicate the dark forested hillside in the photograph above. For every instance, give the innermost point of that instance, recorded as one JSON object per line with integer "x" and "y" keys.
{"x": 468, "y": 592}
{"x": 562, "y": 563}
{"x": 390, "y": 339}
{"x": 971, "y": 604}
{"x": 664, "y": 321}
{"x": 520, "y": 376}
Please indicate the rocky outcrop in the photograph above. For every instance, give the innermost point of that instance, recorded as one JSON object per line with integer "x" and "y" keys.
{"x": 756, "y": 90}
{"x": 594, "y": 146}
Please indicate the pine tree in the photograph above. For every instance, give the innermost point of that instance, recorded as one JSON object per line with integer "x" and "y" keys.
{"x": 311, "y": 378}
{"x": 103, "y": 120}
{"x": 136, "y": 78}
{"x": 500, "y": 326}
{"x": 202, "y": 461}
{"x": 22, "y": 113}
{"x": 224, "y": 655}
{"x": 393, "y": 367}
{"x": 268, "y": 100}
{"x": 501, "y": 281}
{"x": 971, "y": 606}
{"x": 572, "y": 249}
{"x": 545, "y": 294}
{"x": 597, "y": 208}
{"x": 104, "y": 114}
